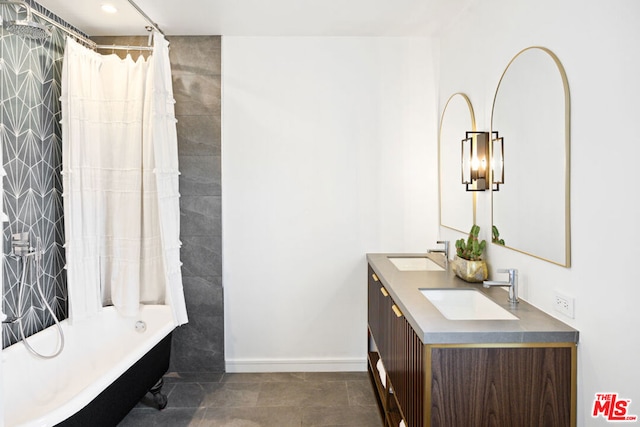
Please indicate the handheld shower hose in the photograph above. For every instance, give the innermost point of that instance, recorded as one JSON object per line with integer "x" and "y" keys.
{"x": 37, "y": 256}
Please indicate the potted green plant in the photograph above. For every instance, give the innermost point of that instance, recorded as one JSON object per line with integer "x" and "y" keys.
{"x": 468, "y": 263}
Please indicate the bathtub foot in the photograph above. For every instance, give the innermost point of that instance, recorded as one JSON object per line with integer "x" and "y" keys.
{"x": 158, "y": 397}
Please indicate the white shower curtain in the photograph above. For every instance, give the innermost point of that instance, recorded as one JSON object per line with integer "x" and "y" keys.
{"x": 120, "y": 180}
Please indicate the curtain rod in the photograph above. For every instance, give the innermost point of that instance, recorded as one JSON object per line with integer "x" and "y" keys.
{"x": 90, "y": 43}
{"x": 73, "y": 33}
{"x": 121, "y": 47}
{"x": 152, "y": 24}
{"x": 84, "y": 39}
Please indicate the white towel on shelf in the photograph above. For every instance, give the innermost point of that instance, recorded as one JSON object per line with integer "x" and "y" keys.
{"x": 382, "y": 373}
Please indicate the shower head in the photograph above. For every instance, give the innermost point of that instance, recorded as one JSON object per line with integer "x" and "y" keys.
{"x": 26, "y": 28}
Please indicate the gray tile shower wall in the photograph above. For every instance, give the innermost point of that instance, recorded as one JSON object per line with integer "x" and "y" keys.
{"x": 196, "y": 71}
{"x": 31, "y": 147}
{"x": 196, "y": 74}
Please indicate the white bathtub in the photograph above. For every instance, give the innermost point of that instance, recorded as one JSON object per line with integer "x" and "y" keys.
{"x": 97, "y": 352}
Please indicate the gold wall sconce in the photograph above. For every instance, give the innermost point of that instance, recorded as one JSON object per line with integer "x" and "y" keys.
{"x": 497, "y": 165}
{"x": 477, "y": 162}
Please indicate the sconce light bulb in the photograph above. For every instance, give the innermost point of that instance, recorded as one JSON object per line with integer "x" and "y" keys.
{"x": 475, "y": 164}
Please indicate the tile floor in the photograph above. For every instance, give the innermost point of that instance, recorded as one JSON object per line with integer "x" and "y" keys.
{"x": 262, "y": 400}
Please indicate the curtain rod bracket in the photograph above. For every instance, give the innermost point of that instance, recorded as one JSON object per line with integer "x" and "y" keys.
{"x": 152, "y": 24}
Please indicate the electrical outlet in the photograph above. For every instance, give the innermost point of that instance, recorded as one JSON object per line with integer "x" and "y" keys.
{"x": 564, "y": 304}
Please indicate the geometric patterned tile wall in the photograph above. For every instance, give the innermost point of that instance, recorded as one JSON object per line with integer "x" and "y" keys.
{"x": 30, "y": 75}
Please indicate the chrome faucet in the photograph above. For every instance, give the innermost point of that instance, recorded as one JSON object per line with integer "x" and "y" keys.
{"x": 512, "y": 284}
{"x": 444, "y": 251}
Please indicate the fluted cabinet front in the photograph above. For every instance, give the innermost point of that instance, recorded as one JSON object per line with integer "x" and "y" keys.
{"x": 402, "y": 354}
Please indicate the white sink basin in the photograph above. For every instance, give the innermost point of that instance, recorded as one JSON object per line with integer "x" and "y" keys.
{"x": 415, "y": 264}
{"x": 466, "y": 304}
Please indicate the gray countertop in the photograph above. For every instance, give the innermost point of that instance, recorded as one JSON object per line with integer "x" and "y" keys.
{"x": 532, "y": 326}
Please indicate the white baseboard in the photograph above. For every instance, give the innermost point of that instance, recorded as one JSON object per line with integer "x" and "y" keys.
{"x": 296, "y": 365}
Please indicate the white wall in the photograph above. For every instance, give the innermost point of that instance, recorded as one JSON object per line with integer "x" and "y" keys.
{"x": 598, "y": 44}
{"x": 329, "y": 152}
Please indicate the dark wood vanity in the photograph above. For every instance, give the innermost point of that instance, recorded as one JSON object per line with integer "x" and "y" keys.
{"x": 440, "y": 372}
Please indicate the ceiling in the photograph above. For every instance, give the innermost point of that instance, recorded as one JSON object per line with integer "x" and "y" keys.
{"x": 262, "y": 17}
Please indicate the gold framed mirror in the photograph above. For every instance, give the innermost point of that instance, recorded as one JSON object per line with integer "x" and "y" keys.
{"x": 531, "y": 111}
{"x": 457, "y": 206}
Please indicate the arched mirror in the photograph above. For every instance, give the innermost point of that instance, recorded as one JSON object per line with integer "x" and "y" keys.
{"x": 457, "y": 206}
{"x": 531, "y": 112}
